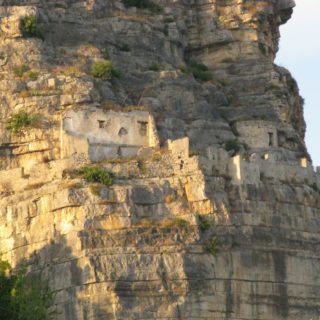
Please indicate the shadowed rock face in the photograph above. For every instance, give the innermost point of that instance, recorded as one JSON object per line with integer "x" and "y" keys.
{"x": 228, "y": 230}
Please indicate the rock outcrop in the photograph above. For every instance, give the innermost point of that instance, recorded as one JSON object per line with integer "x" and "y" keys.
{"x": 226, "y": 230}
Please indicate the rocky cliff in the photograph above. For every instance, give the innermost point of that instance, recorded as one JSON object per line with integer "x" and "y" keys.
{"x": 228, "y": 229}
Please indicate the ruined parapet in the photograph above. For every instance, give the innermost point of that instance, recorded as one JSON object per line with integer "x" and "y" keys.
{"x": 181, "y": 160}
{"x": 215, "y": 161}
{"x": 97, "y": 135}
{"x": 178, "y": 147}
{"x": 258, "y": 134}
{"x": 243, "y": 171}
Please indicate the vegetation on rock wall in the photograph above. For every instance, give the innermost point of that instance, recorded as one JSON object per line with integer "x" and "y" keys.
{"x": 203, "y": 223}
{"x": 104, "y": 69}
{"x": 91, "y": 174}
{"x": 200, "y": 71}
{"x": 212, "y": 246}
{"x": 232, "y": 145}
{"x": 99, "y": 175}
{"x": 22, "y": 298}
{"x": 29, "y": 27}
{"x": 21, "y": 120}
{"x": 19, "y": 71}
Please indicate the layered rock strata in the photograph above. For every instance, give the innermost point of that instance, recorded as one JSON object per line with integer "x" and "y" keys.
{"x": 226, "y": 230}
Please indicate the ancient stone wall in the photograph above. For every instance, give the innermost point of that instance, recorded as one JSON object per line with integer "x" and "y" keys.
{"x": 258, "y": 134}
{"x": 98, "y": 135}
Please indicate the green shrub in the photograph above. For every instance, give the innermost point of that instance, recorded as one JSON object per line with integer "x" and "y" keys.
{"x": 33, "y": 75}
{"x": 104, "y": 69}
{"x": 21, "y": 120}
{"x": 180, "y": 223}
{"x": 232, "y": 145}
{"x": 95, "y": 174}
{"x": 213, "y": 246}
{"x": 19, "y": 71}
{"x": 203, "y": 223}
{"x": 200, "y": 71}
{"x": 23, "y": 298}
{"x": 143, "y": 4}
{"x": 29, "y": 27}
{"x": 22, "y": 70}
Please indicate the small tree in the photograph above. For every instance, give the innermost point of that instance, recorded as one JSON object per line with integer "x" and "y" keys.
{"x": 23, "y": 297}
{"x": 29, "y": 27}
{"x": 95, "y": 175}
{"x": 6, "y": 284}
{"x": 200, "y": 71}
{"x": 21, "y": 120}
{"x": 104, "y": 69}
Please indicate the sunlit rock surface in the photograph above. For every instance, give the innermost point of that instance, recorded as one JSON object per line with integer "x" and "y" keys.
{"x": 213, "y": 212}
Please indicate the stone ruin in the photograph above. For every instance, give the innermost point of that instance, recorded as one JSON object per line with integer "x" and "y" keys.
{"x": 98, "y": 135}
{"x": 258, "y": 134}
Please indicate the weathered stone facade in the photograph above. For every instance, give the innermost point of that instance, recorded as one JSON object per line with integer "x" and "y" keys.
{"x": 98, "y": 135}
{"x": 214, "y": 232}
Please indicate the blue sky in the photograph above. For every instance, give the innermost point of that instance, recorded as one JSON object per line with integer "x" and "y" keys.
{"x": 300, "y": 53}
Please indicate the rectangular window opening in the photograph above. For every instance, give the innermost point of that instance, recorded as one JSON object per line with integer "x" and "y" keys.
{"x": 101, "y": 124}
{"x": 271, "y": 144}
{"x": 143, "y": 127}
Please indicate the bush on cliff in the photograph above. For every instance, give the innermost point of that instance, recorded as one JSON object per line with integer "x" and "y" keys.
{"x": 94, "y": 174}
{"x": 90, "y": 174}
{"x": 104, "y": 69}
{"x": 21, "y": 120}
{"x": 22, "y": 298}
{"x": 232, "y": 144}
{"x": 200, "y": 71}
{"x": 29, "y": 27}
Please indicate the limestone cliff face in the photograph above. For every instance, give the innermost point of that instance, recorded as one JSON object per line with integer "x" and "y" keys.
{"x": 226, "y": 230}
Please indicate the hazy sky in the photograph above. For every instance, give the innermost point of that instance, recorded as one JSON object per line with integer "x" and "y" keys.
{"x": 300, "y": 53}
